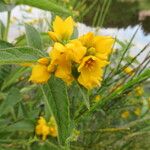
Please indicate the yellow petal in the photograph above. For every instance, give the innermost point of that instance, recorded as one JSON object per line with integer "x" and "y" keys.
{"x": 38, "y": 129}
{"x": 60, "y": 63}
{"x": 129, "y": 71}
{"x": 43, "y": 61}
{"x": 91, "y": 63}
{"x": 103, "y": 44}
{"x": 57, "y": 51}
{"x": 63, "y": 29}
{"x": 87, "y": 39}
{"x": 91, "y": 72}
{"x": 63, "y": 71}
{"x": 99, "y": 46}
{"x": 68, "y": 27}
{"x": 45, "y": 132}
{"x": 39, "y": 74}
{"x": 76, "y": 50}
{"x": 53, "y": 131}
{"x": 58, "y": 24}
{"x": 53, "y": 36}
{"x": 41, "y": 120}
{"x": 56, "y": 54}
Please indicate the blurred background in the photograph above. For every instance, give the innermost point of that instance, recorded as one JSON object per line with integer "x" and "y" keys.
{"x": 118, "y": 18}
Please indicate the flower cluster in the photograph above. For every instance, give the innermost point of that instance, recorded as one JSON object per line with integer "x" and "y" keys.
{"x": 139, "y": 91}
{"x": 81, "y": 59}
{"x": 129, "y": 71}
{"x": 44, "y": 129}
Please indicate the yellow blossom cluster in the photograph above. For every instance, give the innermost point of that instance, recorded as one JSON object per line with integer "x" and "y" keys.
{"x": 139, "y": 91}
{"x": 137, "y": 111}
{"x": 44, "y": 129}
{"x": 129, "y": 71}
{"x": 125, "y": 114}
{"x": 81, "y": 59}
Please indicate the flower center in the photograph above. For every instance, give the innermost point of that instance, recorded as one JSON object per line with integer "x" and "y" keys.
{"x": 89, "y": 63}
{"x": 91, "y": 51}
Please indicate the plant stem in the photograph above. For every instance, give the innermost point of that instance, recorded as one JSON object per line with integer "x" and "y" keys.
{"x": 7, "y": 26}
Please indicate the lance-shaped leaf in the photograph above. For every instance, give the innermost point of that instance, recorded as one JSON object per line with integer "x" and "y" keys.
{"x": 18, "y": 55}
{"x": 4, "y": 44}
{"x": 56, "y": 99}
{"x": 23, "y": 125}
{"x": 11, "y": 100}
{"x": 33, "y": 37}
{"x": 22, "y": 41}
{"x": 13, "y": 76}
{"x": 5, "y": 69}
{"x": 45, "y": 5}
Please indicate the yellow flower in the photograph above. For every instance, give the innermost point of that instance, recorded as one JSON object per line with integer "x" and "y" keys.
{"x": 42, "y": 128}
{"x": 76, "y": 50}
{"x": 75, "y": 135}
{"x": 53, "y": 127}
{"x": 139, "y": 91}
{"x": 91, "y": 72}
{"x": 40, "y": 72}
{"x": 125, "y": 114}
{"x": 129, "y": 71}
{"x": 97, "y": 98}
{"x": 41, "y": 121}
{"x": 60, "y": 63}
{"x": 62, "y": 29}
{"x": 43, "y": 61}
{"x": 91, "y": 67}
{"x": 99, "y": 46}
{"x": 53, "y": 131}
{"x": 137, "y": 111}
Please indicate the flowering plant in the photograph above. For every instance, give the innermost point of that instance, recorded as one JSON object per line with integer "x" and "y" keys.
{"x": 63, "y": 91}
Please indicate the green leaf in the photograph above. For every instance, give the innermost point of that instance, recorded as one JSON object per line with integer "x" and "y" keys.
{"x": 21, "y": 40}
{"x": 33, "y": 37}
{"x": 84, "y": 94}
{"x": 4, "y": 72}
{"x": 19, "y": 55}
{"x": 13, "y": 77}
{"x": 45, "y": 5}
{"x": 47, "y": 145}
{"x": 5, "y": 69}
{"x": 5, "y": 7}
{"x": 24, "y": 125}
{"x": 55, "y": 95}
{"x": 4, "y": 44}
{"x": 11, "y": 100}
